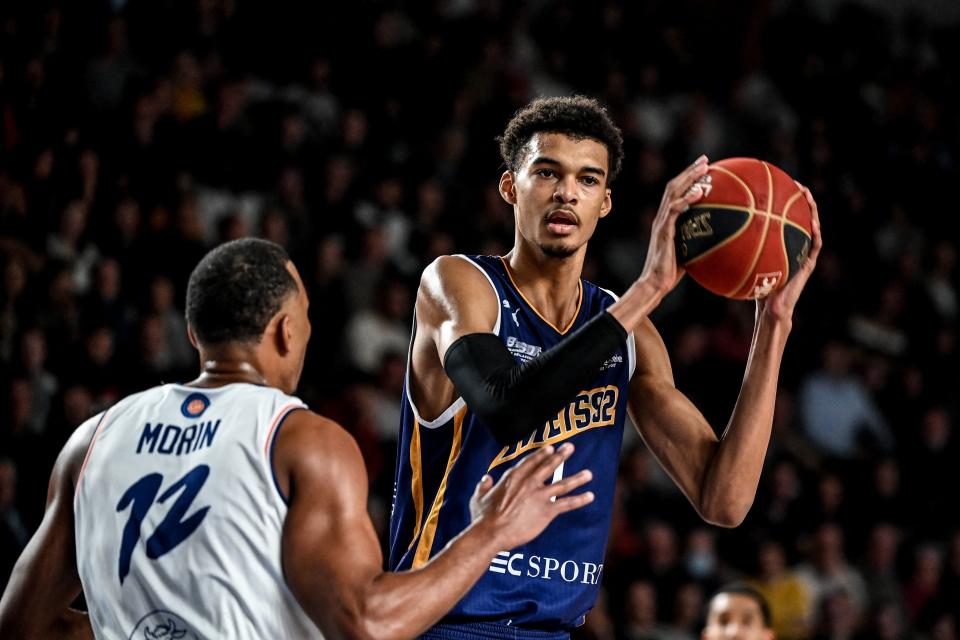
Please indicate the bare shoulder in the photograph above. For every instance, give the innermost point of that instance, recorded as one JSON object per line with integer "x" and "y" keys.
{"x": 450, "y": 268}
{"x": 311, "y": 430}
{"x": 454, "y": 290}
{"x": 311, "y": 444}
{"x": 449, "y": 276}
{"x": 74, "y": 452}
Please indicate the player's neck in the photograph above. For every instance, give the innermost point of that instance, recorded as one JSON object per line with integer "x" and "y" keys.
{"x": 551, "y": 285}
{"x": 228, "y": 365}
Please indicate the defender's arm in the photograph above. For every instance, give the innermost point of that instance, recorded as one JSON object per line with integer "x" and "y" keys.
{"x": 45, "y": 580}
{"x": 331, "y": 556}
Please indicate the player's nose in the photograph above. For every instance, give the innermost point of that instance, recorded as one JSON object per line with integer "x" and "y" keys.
{"x": 734, "y": 632}
{"x": 566, "y": 190}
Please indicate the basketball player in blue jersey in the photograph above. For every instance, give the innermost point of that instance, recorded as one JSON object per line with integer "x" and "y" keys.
{"x": 223, "y": 508}
{"x": 510, "y": 354}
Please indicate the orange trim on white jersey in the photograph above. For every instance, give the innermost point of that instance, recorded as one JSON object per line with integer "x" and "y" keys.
{"x": 280, "y": 415}
{"x": 93, "y": 441}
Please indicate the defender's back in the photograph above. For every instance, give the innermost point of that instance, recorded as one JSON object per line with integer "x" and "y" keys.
{"x": 179, "y": 517}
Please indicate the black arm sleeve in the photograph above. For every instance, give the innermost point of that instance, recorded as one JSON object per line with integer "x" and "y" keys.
{"x": 512, "y": 398}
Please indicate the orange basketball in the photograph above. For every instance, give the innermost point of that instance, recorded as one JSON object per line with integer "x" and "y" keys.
{"x": 749, "y": 234}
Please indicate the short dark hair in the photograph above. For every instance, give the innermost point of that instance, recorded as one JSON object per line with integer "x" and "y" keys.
{"x": 576, "y": 116}
{"x": 743, "y": 589}
{"x": 236, "y": 289}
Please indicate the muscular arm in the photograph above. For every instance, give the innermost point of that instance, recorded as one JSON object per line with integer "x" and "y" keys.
{"x": 718, "y": 475}
{"x": 45, "y": 580}
{"x": 331, "y": 556}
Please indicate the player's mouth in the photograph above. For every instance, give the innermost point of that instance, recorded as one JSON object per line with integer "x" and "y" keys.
{"x": 562, "y": 222}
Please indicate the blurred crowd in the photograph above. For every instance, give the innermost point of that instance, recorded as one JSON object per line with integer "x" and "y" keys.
{"x": 135, "y": 135}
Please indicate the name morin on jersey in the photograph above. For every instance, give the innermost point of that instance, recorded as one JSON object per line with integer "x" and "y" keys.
{"x": 172, "y": 439}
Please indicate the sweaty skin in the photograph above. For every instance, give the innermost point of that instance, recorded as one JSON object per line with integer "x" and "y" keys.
{"x": 558, "y": 196}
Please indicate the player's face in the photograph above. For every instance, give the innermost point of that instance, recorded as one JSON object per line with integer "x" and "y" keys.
{"x": 559, "y": 192}
{"x": 297, "y": 307}
{"x": 734, "y": 616}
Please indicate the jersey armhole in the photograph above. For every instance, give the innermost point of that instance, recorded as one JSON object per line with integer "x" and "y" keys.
{"x": 631, "y": 341}
{"x": 447, "y": 414}
{"x": 496, "y": 293}
{"x": 93, "y": 440}
{"x": 275, "y": 427}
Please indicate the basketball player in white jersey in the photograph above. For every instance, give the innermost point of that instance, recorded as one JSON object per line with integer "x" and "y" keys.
{"x": 224, "y": 509}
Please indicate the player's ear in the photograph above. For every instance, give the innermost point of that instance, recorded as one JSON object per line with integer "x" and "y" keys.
{"x": 192, "y": 338}
{"x": 607, "y": 204}
{"x": 284, "y": 334}
{"x": 508, "y": 188}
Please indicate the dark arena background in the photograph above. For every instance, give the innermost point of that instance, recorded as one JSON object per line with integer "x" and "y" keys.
{"x": 135, "y": 135}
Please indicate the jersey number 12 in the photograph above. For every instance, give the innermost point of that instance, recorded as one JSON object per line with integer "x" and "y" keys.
{"x": 172, "y": 530}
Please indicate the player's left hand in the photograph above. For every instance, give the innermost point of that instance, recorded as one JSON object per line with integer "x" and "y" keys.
{"x": 519, "y": 507}
{"x": 779, "y": 304}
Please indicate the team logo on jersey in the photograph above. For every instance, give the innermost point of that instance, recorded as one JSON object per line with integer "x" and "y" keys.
{"x": 523, "y": 350}
{"x": 545, "y": 568}
{"x": 589, "y": 410}
{"x": 162, "y": 625}
{"x": 194, "y": 405}
{"x": 612, "y": 362}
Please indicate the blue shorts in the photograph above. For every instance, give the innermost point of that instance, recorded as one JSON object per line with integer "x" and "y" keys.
{"x": 491, "y": 630}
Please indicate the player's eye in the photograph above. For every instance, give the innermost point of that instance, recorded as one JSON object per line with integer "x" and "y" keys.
{"x": 546, "y": 173}
{"x": 590, "y": 180}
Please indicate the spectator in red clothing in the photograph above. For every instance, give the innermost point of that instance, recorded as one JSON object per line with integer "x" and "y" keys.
{"x": 924, "y": 582}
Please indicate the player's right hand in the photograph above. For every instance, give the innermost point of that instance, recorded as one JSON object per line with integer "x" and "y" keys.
{"x": 779, "y": 304}
{"x": 521, "y": 505}
{"x": 661, "y": 269}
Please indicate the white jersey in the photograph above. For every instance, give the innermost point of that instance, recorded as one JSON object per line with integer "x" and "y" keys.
{"x": 179, "y": 517}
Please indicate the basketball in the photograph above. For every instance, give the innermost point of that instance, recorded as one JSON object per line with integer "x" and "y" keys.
{"x": 749, "y": 234}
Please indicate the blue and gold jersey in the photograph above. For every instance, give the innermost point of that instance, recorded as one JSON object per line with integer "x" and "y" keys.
{"x": 552, "y": 581}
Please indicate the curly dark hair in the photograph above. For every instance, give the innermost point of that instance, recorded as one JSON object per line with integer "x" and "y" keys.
{"x": 236, "y": 289}
{"x": 576, "y": 116}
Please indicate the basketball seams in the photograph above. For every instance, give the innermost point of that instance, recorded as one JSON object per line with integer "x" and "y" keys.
{"x": 783, "y": 231}
{"x": 763, "y": 235}
{"x": 739, "y": 180}
{"x": 751, "y": 211}
{"x": 786, "y": 207}
{"x": 754, "y": 212}
{"x": 716, "y": 275}
{"x": 728, "y": 239}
